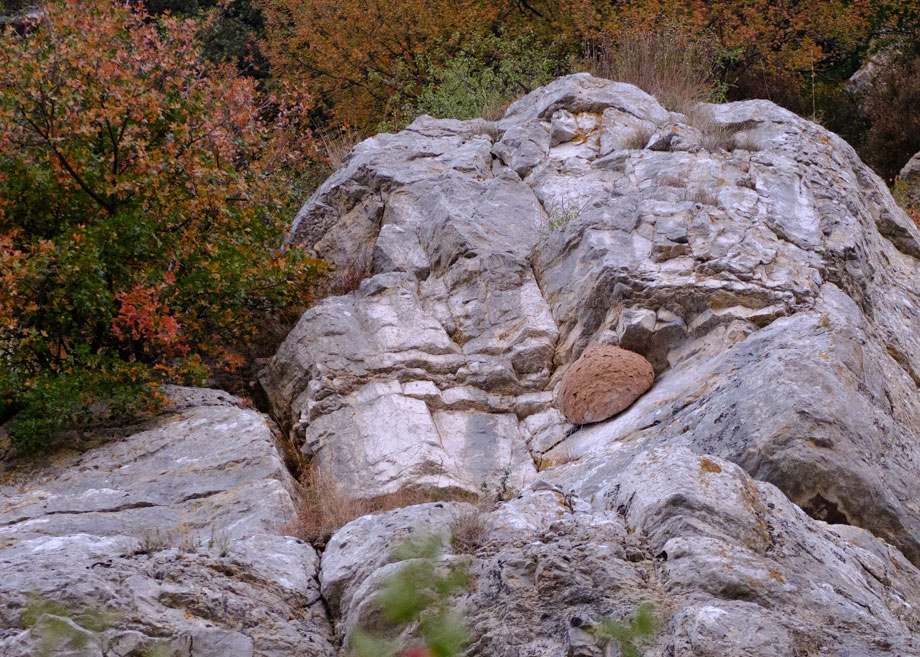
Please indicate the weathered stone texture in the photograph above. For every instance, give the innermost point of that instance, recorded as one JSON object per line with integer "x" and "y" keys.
{"x": 761, "y": 492}
{"x": 176, "y": 530}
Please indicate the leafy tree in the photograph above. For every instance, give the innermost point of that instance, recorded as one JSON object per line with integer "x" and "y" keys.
{"x": 892, "y": 107}
{"x": 233, "y": 35}
{"x": 365, "y": 59}
{"x": 140, "y": 225}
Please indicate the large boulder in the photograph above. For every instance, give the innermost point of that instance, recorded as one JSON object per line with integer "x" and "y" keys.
{"x": 175, "y": 534}
{"x": 731, "y": 566}
{"x": 762, "y": 270}
{"x": 602, "y": 382}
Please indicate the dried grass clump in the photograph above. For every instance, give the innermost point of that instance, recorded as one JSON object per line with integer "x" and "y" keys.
{"x": 668, "y": 62}
{"x": 324, "y": 507}
{"x": 721, "y": 136}
{"x": 337, "y": 144}
{"x": 469, "y": 533}
{"x": 638, "y": 140}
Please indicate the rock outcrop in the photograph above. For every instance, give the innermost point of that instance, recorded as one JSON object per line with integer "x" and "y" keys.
{"x": 910, "y": 174}
{"x": 175, "y": 534}
{"x": 762, "y": 492}
{"x": 730, "y": 564}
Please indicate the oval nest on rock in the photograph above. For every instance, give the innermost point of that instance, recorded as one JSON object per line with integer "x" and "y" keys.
{"x": 604, "y": 381}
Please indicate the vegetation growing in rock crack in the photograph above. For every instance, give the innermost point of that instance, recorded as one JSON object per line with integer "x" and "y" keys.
{"x": 631, "y": 634}
{"x": 57, "y": 625}
{"x": 415, "y": 605}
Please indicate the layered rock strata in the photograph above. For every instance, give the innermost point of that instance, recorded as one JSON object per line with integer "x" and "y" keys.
{"x": 173, "y": 536}
{"x": 761, "y": 493}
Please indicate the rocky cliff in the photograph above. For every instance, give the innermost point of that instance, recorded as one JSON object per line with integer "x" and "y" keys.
{"x": 762, "y": 494}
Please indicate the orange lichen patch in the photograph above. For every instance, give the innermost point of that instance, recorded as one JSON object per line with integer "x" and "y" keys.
{"x": 775, "y": 574}
{"x": 707, "y": 465}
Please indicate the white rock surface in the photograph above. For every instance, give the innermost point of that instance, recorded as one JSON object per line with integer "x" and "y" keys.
{"x": 764, "y": 272}
{"x": 910, "y": 174}
{"x": 177, "y": 531}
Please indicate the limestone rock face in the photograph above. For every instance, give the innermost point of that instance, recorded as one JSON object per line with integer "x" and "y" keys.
{"x": 731, "y": 566}
{"x": 762, "y": 493}
{"x": 176, "y": 531}
{"x": 602, "y": 382}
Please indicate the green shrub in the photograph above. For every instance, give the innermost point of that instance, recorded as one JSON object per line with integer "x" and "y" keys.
{"x": 140, "y": 232}
{"x": 629, "y": 635}
{"x": 482, "y": 79}
{"x": 418, "y": 595}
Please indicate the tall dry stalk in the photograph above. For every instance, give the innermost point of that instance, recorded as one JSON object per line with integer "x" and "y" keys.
{"x": 667, "y": 62}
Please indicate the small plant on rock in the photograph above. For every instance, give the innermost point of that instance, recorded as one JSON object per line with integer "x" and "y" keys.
{"x": 56, "y": 625}
{"x": 152, "y": 542}
{"x": 417, "y": 598}
{"x": 469, "y": 532}
{"x": 629, "y": 635}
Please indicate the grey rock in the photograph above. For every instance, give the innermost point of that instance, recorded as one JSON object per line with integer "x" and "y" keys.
{"x": 563, "y": 128}
{"x": 730, "y": 564}
{"x": 175, "y": 530}
{"x": 365, "y": 545}
{"x": 524, "y": 146}
{"x": 583, "y": 93}
{"x": 910, "y": 174}
{"x": 761, "y": 493}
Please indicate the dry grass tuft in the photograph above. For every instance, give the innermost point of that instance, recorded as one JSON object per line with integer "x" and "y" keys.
{"x": 324, "y": 507}
{"x": 639, "y": 140}
{"x": 469, "y": 533}
{"x": 702, "y": 196}
{"x": 337, "y": 144}
{"x": 668, "y": 63}
{"x": 343, "y": 278}
{"x": 720, "y": 136}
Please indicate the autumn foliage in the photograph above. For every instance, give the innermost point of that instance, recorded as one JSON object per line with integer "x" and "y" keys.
{"x": 361, "y": 59}
{"x": 140, "y": 223}
{"x": 364, "y": 59}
